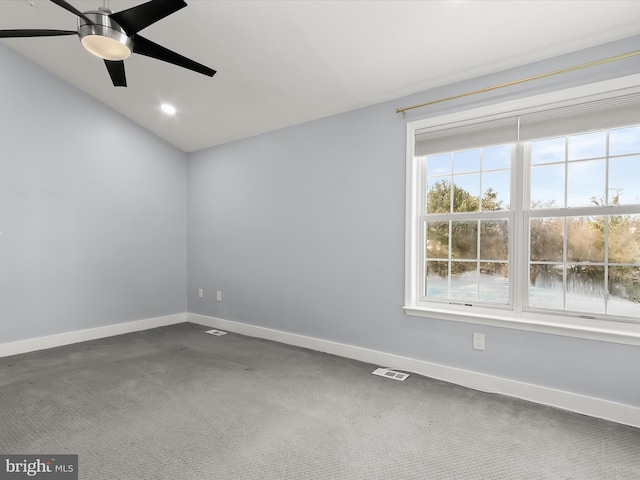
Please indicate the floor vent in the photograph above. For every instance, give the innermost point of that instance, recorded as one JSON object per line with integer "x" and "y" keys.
{"x": 216, "y": 332}
{"x": 384, "y": 372}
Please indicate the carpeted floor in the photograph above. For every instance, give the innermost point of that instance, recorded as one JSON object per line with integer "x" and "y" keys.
{"x": 176, "y": 403}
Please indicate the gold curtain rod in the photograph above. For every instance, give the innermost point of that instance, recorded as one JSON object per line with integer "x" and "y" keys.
{"x": 522, "y": 80}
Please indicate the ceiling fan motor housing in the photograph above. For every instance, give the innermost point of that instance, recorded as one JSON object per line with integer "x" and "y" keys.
{"x": 105, "y": 39}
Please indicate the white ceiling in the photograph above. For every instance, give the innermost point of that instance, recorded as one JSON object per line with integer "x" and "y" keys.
{"x": 286, "y": 62}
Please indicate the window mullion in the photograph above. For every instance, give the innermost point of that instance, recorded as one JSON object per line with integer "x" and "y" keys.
{"x": 422, "y": 231}
{"x": 565, "y": 279}
{"x": 565, "y": 266}
{"x": 606, "y": 229}
{"x": 519, "y": 241}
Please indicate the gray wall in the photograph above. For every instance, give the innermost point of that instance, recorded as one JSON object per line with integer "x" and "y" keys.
{"x": 302, "y": 230}
{"x": 92, "y": 210}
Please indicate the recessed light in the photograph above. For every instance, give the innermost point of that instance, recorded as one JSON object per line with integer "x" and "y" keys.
{"x": 168, "y": 109}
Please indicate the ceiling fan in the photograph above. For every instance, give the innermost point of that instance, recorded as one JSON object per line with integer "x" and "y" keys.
{"x": 114, "y": 36}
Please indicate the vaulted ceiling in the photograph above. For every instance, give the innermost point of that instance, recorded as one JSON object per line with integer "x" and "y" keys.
{"x": 281, "y": 62}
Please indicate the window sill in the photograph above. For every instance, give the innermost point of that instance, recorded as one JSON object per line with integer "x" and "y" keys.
{"x": 601, "y": 330}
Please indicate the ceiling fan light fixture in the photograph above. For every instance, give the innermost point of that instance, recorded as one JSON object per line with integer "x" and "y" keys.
{"x": 105, "y": 47}
{"x": 106, "y": 39}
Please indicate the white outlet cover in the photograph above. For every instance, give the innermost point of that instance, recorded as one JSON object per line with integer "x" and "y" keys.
{"x": 216, "y": 332}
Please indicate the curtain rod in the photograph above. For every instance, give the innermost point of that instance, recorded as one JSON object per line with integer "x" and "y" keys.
{"x": 522, "y": 80}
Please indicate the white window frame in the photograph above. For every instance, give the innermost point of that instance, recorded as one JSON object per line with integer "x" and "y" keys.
{"x": 517, "y": 316}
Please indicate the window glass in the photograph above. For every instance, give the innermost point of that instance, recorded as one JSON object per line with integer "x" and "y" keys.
{"x": 496, "y": 190}
{"x": 546, "y": 239}
{"x": 438, "y": 195}
{"x": 467, "y": 161}
{"x": 437, "y": 234}
{"x": 585, "y": 239}
{"x": 546, "y": 286}
{"x": 624, "y": 180}
{"x": 464, "y": 239}
{"x": 587, "y": 145}
{"x": 547, "y": 186}
{"x": 585, "y": 288}
{"x": 494, "y": 239}
{"x": 624, "y": 291}
{"x": 437, "y": 280}
{"x": 624, "y": 239}
{"x": 548, "y": 151}
{"x": 464, "y": 281}
{"x": 466, "y": 192}
{"x": 623, "y": 141}
{"x": 496, "y": 157}
{"x": 439, "y": 164}
{"x": 493, "y": 282}
{"x": 586, "y": 183}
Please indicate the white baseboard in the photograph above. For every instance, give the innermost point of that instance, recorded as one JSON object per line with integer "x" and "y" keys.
{"x": 591, "y": 406}
{"x": 51, "y": 341}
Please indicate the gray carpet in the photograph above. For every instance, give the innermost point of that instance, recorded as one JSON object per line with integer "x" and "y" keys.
{"x": 176, "y": 403}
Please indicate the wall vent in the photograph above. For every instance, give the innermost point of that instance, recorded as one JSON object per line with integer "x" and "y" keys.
{"x": 385, "y": 372}
{"x": 216, "y": 332}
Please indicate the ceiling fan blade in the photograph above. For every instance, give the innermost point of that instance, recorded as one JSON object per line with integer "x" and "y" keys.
{"x": 148, "y": 48}
{"x": 72, "y": 9}
{"x": 35, "y": 33}
{"x": 116, "y": 72}
{"x": 136, "y": 18}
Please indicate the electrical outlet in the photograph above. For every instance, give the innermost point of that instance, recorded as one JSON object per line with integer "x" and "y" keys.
{"x": 200, "y": 293}
{"x": 219, "y": 296}
{"x": 478, "y": 341}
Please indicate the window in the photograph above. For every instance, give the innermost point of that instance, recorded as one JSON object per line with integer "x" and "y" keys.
{"x": 529, "y": 217}
{"x": 466, "y": 225}
{"x": 583, "y": 223}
